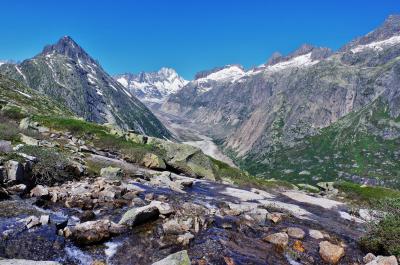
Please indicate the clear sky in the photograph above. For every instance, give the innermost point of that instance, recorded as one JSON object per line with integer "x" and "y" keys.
{"x": 188, "y": 35}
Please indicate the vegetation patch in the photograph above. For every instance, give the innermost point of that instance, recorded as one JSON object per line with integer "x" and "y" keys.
{"x": 383, "y": 237}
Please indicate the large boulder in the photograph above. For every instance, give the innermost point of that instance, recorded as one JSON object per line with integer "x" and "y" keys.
{"x": 15, "y": 171}
{"x": 330, "y": 253}
{"x": 26, "y": 262}
{"x": 152, "y": 161}
{"x": 140, "y": 215}
{"x": 184, "y": 158}
{"x": 179, "y": 258}
{"x": 111, "y": 173}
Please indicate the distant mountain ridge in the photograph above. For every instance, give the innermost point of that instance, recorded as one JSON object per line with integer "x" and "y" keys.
{"x": 152, "y": 87}
{"x": 255, "y": 114}
{"x": 66, "y": 73}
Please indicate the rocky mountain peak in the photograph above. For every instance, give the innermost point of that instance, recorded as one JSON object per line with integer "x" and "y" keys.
{"x": 389, "y": 29}
{"x": 68, "y": 47}
{"x": 276, "y": 57}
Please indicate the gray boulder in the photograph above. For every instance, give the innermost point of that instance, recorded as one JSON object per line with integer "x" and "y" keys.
{"x": 139, "y": 215}
{"x": 178, "y": 258}
{"x": 5, "y": 146}
{"x": 111, "y": 173}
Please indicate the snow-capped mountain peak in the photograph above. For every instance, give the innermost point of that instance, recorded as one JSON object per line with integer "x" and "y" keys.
{"x": 152, "y": 87}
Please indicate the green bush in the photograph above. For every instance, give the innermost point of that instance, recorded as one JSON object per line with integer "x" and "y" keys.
{"x": 13, "y": 113}
{"x": 383, "y": 237}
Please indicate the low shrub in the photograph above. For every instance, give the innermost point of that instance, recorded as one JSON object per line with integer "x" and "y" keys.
{"x": 52, "y": 166}
{"x": 383, "y": 236}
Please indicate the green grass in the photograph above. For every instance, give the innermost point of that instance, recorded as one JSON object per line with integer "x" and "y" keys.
{"x": 366, "y": 194}
{"x": 242, "y": 178}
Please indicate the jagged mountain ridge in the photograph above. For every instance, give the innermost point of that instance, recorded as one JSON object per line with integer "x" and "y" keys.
{"x": 152, "y": 87}
{"x": 258, "y": 112}
{"x": 66, "y": 73}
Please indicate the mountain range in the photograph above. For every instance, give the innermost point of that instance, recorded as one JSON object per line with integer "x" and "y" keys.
{"x": 313, "y": 114}
{"x": 152, "y": 87}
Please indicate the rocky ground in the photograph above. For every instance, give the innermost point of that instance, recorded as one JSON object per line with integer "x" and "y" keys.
{"x": 124, "y": 213}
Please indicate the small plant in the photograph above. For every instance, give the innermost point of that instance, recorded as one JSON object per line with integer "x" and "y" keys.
{"x": 383, "y": 236}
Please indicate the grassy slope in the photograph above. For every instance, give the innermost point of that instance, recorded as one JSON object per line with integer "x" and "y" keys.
{"x": 348, "y": 146}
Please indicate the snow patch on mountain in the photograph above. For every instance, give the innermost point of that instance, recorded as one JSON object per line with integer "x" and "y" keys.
{"x": 299, "y": 61}
{"x": 378, "y": 45}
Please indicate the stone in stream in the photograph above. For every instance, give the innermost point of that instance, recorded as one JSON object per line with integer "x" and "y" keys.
{"x": 32, "y": 221}
{"x": 140, "y": 215}
{"x": 185, "y": 238}
{"x": 173, "y": 227}
{"x": 330, "y": 253}
{"x": 316, "y": 234}
{"x": 179, "y": 258}
{"x": 26, "y": 262}
{"x": 381, "y": 260}
{"x": 278, "y": 239}
{"x": 44, "y": 219}
{"x": 296, "y": 232}
{"x": 16, "y": 189}
{"x": 93, "y": 231}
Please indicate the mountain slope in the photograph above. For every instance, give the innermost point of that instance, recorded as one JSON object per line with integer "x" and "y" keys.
{"x": 152, "y": 87}
{"x": 256, "y": 114}
{"x": 66, "y": 73}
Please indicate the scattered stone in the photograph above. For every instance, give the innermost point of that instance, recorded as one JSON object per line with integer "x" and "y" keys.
{"x": 296, "y": 232}
{"x": 304, "y": 172}
{"x": 330, "y": 253}
{"x": 275, "y": 217}
{"x": 5, "y": 147}
{"x": 179, "y": 258}
{"x": 278, "y": 239}
{"x": 163, "y": 207}
{"x": 140, "y": 215}
{"x": 259, "y": 214}
{"x": 381, "y": 260}
{"x": 149, "y": 197}
{"x": 185, "y": 183}
{"x": 316, "y": 234}
{"x": 44, "y": 219}
{"x": 369, "y": 257}
{"x": 39, "y": 191}
{"x": 32, "y": 221}
{"x": 185, "y": 238}
{"x": 111, "y": 173}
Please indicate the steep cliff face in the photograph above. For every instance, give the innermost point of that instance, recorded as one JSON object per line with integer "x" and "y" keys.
{"x": 278, "y": 105}
{"x": 66, "y": 73}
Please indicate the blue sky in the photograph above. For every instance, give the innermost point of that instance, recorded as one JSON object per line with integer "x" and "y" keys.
{"x": 190, "y": 36}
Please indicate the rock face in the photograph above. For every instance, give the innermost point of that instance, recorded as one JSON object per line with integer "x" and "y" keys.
{"x": 260, "y": 119}
{"x": 66, "y": 73}
{"x": 330, "y": 253}
{"x": 152, "y": 87}
{"x": 179, "y": 258}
